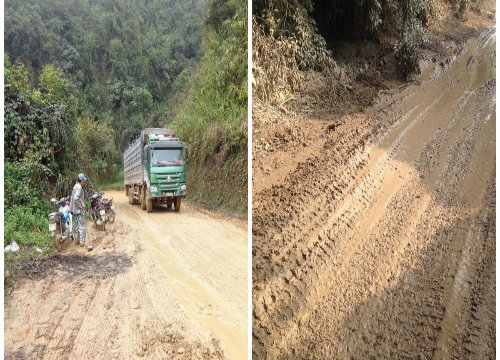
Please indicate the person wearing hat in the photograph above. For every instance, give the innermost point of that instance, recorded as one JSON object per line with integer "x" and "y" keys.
{"x": 77, "y": 207}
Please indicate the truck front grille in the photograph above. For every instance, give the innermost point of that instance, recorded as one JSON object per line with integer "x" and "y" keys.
{"x": 168, "y": 181}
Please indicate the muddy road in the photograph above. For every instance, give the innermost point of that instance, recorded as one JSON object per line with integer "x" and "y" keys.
{"x": 156, "y": 286}
{"x": 374, "y": 234}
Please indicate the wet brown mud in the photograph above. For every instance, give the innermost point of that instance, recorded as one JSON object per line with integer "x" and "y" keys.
{"x": 377, "y": 240}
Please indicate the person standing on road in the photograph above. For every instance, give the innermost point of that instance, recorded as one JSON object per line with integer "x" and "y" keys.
{"x": 77, "y": 207}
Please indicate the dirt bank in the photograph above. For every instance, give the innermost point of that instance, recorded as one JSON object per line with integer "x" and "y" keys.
{"x": 156, "y": 286}
{"x": 374, "y": 232}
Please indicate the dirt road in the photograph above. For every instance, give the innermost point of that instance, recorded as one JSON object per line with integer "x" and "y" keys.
{"x": 374, "y": 234}
{"x": 156, "y": 286}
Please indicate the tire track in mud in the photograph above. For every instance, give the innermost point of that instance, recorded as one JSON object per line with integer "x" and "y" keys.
{"x": 67, "y": 326}
{"x": 308, "y": 264}
{"x": 185, "y": 248}
{"x": 356, "y": 252}
{"x": 401, "y": 210}
{"x": 89, "y": 344}
{"x": 465, "y": 257}
{"x": 478, "y": 337}
{"x": 346, "y": 213}
{"x": 131, "y": 296}
{"x": 160, "y": 324}
{"x": 326, "y": 245}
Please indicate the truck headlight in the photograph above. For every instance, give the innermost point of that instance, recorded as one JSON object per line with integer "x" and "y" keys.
{"x": 153, "y": 189}
{"x": 183, "y": 187}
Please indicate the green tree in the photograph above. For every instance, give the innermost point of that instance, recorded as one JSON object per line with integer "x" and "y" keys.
{"x": 37, "y": 122}
{"x": 94, "y": 150}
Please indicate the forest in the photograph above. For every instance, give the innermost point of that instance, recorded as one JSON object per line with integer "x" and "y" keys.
{"x": 83, "y": 77}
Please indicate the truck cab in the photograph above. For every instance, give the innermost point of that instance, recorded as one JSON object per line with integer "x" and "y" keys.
{"x": 155, "y": 169}
{"x": 165, "y": 160}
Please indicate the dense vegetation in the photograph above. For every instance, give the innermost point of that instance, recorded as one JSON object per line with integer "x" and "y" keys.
{"x": 302, "y": 34}
{"x": 215, "y": 116}
{"x": 124, "y": 59}
{"x": 83, "y": 77}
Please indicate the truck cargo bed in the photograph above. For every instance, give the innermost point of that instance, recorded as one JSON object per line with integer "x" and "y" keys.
{"x": 132, "y": 165}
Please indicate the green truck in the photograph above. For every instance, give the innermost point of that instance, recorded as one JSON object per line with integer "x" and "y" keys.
{"x": 155, "y": 169}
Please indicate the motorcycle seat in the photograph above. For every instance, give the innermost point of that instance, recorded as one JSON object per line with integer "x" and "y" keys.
{"x": 57, "y": 215}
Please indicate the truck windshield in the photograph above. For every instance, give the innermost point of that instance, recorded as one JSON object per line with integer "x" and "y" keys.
{"x": 166, "y": 157}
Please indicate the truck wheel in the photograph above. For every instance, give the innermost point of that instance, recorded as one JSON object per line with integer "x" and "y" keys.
{"x": 149, "y": 204}
{"x": 177, "y": 203}
{"x": 143, "y": 199}
{"x": 126, "y": 190}
{"x": 132, "y": 200}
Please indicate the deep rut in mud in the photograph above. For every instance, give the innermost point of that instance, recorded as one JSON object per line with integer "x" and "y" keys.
{"x": 380, "y": 243}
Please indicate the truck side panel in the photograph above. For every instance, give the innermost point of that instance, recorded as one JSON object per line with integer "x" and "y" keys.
{"x": 132, "y": 163}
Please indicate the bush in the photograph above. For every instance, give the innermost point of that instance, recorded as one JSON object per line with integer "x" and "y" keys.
{"x": 215, "y": 111}
{"x": 213, "y": 118}
{"x": 407, "y": 48}
{"x": 27, "y": 225}
{"x": 25, "y": 207}
{"x": 284, "y": 47}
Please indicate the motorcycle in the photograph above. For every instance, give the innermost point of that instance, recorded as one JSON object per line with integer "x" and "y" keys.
{"x": 61, "y": 225}
{"x": 109, "y": 210}
{"x": 97, "y": 210}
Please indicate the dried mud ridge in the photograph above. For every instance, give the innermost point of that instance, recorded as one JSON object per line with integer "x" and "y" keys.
{"x": 380, "y": 242}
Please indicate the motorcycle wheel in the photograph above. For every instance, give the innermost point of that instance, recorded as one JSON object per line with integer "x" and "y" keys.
{"x": 110, "y": 215}
{"x": 60, "y": 243}
{"x": 103, "y": 223}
